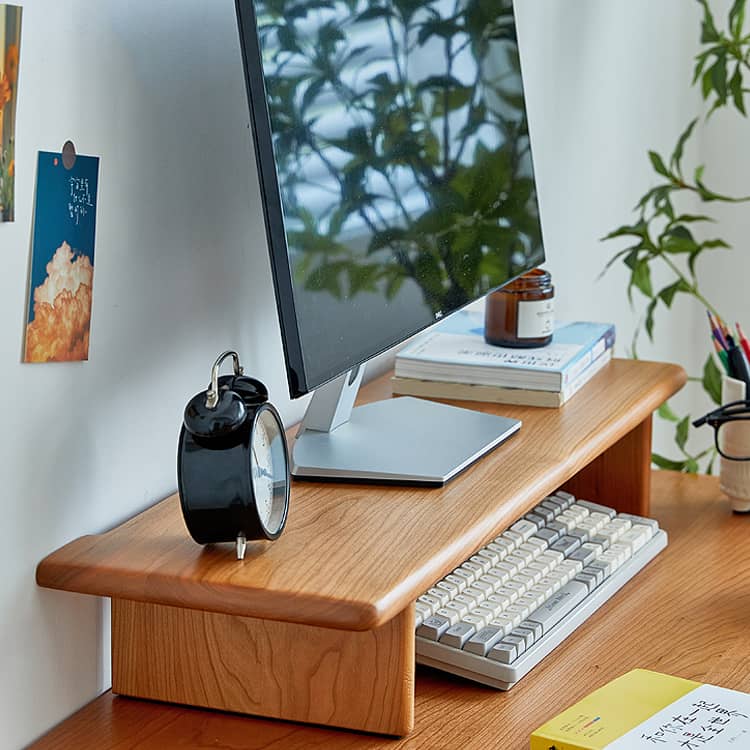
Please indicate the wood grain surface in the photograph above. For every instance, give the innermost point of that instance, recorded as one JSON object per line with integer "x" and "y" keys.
{"x": 354, "y": 556}
{"x": 687, "y": 614}
{"x": 353, "y": 679}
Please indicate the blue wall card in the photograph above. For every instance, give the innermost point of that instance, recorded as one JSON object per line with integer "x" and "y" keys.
{"x": 62, "y": 265}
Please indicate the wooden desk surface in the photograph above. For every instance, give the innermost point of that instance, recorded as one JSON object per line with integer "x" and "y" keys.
{"x": 687, "y": 614}
{"x": 356, "y": 557}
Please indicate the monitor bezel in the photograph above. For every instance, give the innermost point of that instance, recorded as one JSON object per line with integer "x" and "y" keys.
{"x": 273, "y": 211}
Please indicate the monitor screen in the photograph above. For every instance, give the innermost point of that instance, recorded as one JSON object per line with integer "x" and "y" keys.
{"x": 393, "y": 149}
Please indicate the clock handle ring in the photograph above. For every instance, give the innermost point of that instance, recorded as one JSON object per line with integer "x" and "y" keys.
{"x": 212, "y": 397}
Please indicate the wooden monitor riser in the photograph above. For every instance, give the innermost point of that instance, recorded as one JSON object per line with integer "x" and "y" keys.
{"x": 318, "y": 626}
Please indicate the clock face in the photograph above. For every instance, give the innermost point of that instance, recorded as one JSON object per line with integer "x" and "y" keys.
{"x": 268, "y": 468}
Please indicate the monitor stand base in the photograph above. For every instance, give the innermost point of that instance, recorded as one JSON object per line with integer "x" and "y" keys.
{"x": 401, "y": 440}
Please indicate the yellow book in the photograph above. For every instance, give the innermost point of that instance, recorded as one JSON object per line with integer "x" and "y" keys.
{"x": 645, "y": 709}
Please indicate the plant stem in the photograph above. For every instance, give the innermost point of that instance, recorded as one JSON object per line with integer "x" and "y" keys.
{"x": 693, "y": 287}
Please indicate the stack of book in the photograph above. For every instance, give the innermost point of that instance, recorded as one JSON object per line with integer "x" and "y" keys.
{"x": 453, "y": 361}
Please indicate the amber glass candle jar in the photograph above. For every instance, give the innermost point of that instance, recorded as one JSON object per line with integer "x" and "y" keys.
{"x": 521, "y": 314}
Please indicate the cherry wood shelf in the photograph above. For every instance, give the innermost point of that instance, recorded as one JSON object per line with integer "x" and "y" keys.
{"x": 343, "y": 577}
{"x": 686, "y": 614}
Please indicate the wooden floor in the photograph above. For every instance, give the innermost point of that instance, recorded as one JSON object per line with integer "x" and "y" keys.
{"x": 687, "y": 613}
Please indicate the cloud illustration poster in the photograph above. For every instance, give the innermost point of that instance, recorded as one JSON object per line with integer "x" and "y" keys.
{"x": 10, "y": 45}
{"x": 62, "y": 265}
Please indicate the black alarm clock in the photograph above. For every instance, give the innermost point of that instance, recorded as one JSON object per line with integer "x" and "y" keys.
{"x": 233, "y": 462}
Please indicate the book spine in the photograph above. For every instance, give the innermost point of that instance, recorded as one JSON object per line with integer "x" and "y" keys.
{"x": 603, "y": 343}
{"x": 603, "y": 358}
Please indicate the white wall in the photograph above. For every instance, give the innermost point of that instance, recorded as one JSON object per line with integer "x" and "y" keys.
{"x": 156, "y": 89}
{"x": 608, "y": 81}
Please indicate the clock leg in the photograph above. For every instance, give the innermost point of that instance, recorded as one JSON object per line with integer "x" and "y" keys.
{"x": 360, "y": 680}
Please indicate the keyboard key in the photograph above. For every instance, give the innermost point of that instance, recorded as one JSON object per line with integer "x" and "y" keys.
{"x": 503, "y": 623}
{"x": 476, "y": 568}
{"x": 458, "y": 607}
{"x": 473, "y": 592}
{"x": 566, "y": 545}
{"x": 466, "y": 575}
{"x": 558, "y": 502}
{"x": 458, "y": 581}
{"x": 489, "y": 554}
{"x": 603, "y": 565}
{"x": 597, "y": 572}
{"x": 499, "y": 549}
{"x": 511, "y": 593}
{"x": 517, "y": 641}
{"x": 586, "y": 554}
{"x": 548, "y": 535}
{"x": 551, "y": 506}
{"x": 596, "y": 508}
{"x": 578, "y": 533}
{"x": 514, "y": 537}
{"x": 561, "y": 604}
{"x": 483, "y": 640}
{"x": 485, "y": 586}
{"x": 650, "y": 522}
{"x": 534, "y": 627}
{"x": 476, "y": 621}
{"x": 527, "y": 635}
{"x": 567, "y": 520}
{"x": 423, "y": 610}
{"x": 519, "y": 560}
{"x": 602, "y": 541}
{"x": 484, "y": 612}
{"x": 449, "y": 614}
{"x": 520, "y": 607}
{"x": 566, "y": 496}
{"x": 587, "y": 580}
{"x": 524, "y": 527}
{"x": 440, "y": 594}
{"x": 506, "y": 544}
{"x": 536, "y": 519}
{"x": 547, "y": 514}
{"x": 553, "y": 557}
{"x": 503, "y": 652}
{"x": 433, "y": 627}
{"x": 457, "y": 635}
{"x": 483, "y": 562}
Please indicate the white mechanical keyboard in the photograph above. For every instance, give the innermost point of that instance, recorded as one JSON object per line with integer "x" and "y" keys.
{"x": 496, "y": 616}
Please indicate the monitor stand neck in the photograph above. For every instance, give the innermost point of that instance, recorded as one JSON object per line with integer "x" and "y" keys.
{"x": 399, "y": 440}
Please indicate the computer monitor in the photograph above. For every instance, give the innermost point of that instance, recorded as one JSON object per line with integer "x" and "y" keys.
{"x": 393, "y": 154}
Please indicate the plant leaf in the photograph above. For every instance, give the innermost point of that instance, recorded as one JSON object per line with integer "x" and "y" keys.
{"x": 641, "y": 278}
{"x": 676, "y": 160}
{"x": 658, "y": 164}
{"x": 665, "y": 412}
{"x": 738, "y": 95}
{"x": 681, "y": 432}
{"x": 737, "y": 18}
{"x": 650, "y": 318}
{"x": 667, "y": 463}
{"x": 712, "y": 380}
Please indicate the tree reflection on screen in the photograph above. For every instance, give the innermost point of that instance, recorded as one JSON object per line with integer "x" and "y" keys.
{"x": 401, "y": 145}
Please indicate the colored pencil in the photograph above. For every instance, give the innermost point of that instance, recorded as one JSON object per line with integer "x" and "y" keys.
{"x": 716, "y": 331}
{"x": 743, "y": 341}
{"x": 722, "y": 355}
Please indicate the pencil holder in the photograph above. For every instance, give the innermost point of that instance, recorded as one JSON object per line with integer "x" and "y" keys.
{"x": 734, "y": 476}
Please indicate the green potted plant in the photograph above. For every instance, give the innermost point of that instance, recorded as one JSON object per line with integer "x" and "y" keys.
{"x": 663, "y": 234}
